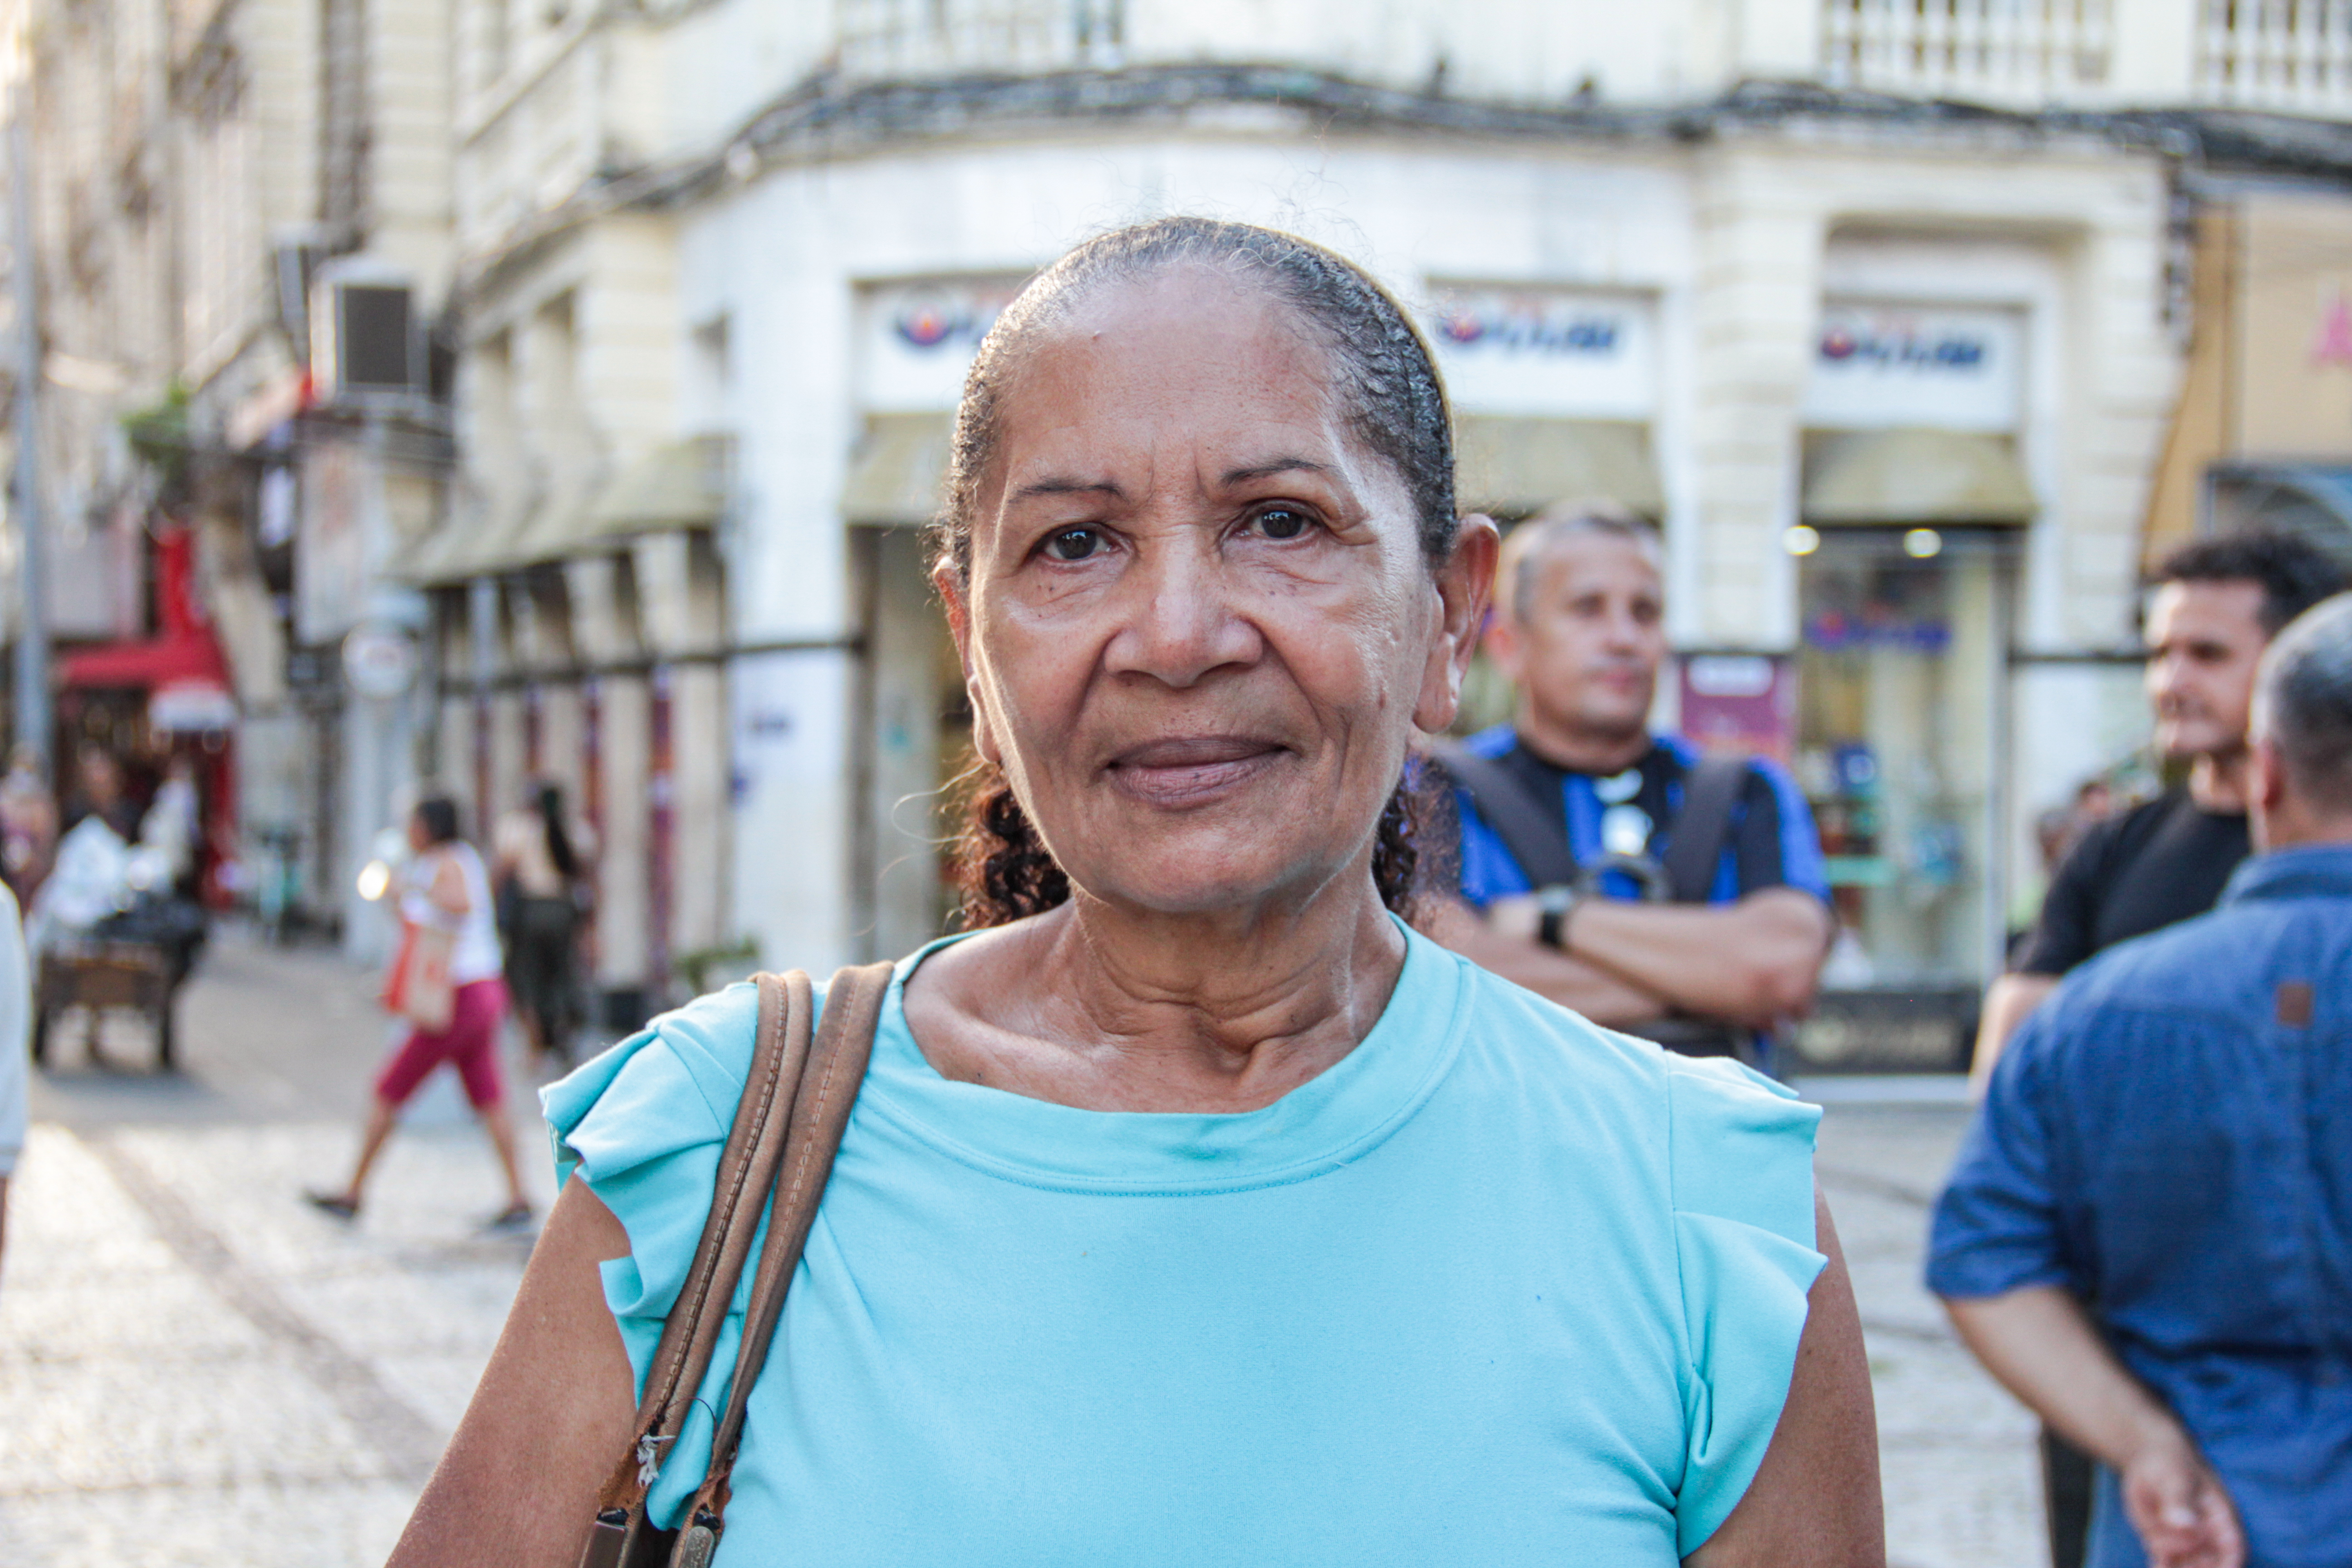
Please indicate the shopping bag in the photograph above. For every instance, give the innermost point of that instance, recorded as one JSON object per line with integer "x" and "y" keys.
{"x": 417, "y": 986}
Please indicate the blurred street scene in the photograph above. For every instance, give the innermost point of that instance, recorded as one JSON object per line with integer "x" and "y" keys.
{"x": 206, "y": 1372}
{"x": 476, "y": 397}
{"x": 475, "y": 393}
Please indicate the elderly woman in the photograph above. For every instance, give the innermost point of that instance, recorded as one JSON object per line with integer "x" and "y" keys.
{"x": 1195, "y": 1210}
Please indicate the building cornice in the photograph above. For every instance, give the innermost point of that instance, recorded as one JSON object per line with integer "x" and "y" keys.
{"x": 824, "y": 117}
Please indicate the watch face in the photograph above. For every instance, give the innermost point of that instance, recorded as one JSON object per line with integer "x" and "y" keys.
{"x": 1626, "y": 830}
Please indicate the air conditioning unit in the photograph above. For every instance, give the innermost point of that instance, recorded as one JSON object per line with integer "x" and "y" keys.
{"x": 367, "y": 344}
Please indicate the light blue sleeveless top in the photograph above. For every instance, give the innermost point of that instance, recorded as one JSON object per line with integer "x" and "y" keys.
{"x": 1499, "y": 1288}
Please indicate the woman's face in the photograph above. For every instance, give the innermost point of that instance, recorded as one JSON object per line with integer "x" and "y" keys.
{"x": 419, "y": 839}
{"x": 1199, "y": 627}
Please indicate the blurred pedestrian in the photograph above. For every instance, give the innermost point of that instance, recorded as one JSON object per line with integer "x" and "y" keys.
{"x": 444, "y": 890}
{"x": 2216, "y": 604}
{"x": 2145, "y": 1237}
{"x": 15, "y": 1044}
{"x": 28, "y": 825}
{"x": 91, "y": 880}
{"x": 172, "y": 825}
{"x": 539, "y": 865}
{"x": 101, "y": 792}
{"x": 1616, "y": 871}
{"x": 2059, "y": 829}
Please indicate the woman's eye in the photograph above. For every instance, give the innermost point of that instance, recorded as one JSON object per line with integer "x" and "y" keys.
{"x": 1282, "y": 522}
{"x": 1074, "y": 543}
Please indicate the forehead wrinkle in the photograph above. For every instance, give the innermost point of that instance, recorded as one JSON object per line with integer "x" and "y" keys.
{"x": 1273, "y": 465}
{"x": 1068, "y": 487}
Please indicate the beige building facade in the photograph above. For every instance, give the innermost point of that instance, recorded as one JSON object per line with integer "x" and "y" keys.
{"x": 1896, "y": 380}
{"x": 1903, "y": 323}
{"x": 197, "y": 169}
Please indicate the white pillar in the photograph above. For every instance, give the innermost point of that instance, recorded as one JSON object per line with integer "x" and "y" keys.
{"x": 2153, "y": 57}
{"x": 1779, "y": 39}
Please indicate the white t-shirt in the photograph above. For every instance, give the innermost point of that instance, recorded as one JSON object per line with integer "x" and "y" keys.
{"x": 477, "y": 955}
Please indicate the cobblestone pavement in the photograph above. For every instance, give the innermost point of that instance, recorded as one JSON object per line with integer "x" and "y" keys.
{"x": 1956, "y": 1453}
{"x": 200, "y": 1371}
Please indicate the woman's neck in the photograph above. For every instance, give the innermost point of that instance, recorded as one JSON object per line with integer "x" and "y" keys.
{"x": 1112, "y": 1009}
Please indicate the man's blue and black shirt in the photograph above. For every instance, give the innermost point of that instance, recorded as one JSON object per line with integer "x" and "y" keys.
{"x": 1770, "y": 844}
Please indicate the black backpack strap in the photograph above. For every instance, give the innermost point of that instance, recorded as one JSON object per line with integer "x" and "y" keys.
{"x": 1534, "y": 830}
{"x": 1711, "y": 793}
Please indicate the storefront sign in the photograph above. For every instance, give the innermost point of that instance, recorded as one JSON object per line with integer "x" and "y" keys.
{"x": 1742, "y": 704}
{"x": 1558, "y": 352}
{"x": 2332, "y": 343}
{"x": 190, "y": 708}
{"x": 916, "y": 340}
{"x": 330, "y": 559}
{"x": 1880, "y": 367}
{"x": 380, "y": 661}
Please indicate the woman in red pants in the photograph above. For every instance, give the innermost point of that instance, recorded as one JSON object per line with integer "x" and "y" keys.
{"x": 446, "y": 888}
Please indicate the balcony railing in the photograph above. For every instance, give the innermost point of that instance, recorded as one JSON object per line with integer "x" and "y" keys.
{"x": 913, "y": 37}
{"x": 2004, "y": 50}
{"x": 2276, "y": 53}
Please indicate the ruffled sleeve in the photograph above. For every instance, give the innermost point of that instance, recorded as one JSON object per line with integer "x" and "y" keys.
{"x": 643, "y": 1125}
{"x": 1742, "y": 1169}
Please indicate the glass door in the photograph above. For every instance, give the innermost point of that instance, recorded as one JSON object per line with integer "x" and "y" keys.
{"x": 1900, "y": 732}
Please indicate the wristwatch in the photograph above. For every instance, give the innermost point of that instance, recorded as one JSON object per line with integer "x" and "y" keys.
{"x": 1556, "y": 902}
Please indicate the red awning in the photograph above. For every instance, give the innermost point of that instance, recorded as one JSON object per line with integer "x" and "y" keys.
{"x": 185, "y": 652}
{"x": 146, "y": 665}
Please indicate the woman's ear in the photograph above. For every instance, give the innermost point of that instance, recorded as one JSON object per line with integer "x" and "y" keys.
{"x": 1465, "y": 584}
{"x": 956, "y": 601}
{"x": 956, "y": 598}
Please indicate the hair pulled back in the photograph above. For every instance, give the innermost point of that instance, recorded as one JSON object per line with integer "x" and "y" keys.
{"x": 438, "y": 814}
{"x": 1396, "y": 407}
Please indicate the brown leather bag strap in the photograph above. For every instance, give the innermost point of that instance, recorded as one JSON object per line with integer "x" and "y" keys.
{"x": 828, "y": 1090}
{"x": 746, "y": 1171}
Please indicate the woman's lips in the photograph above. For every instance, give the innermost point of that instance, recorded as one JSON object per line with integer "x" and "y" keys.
{"x": 1191, "y": 770}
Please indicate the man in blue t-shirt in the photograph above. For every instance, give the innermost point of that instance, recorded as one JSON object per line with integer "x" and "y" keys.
{"x": 1706, "y": 949}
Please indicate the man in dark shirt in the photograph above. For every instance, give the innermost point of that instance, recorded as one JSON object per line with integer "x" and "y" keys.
{"x": 2145, "y": 1237}
{"x": 2216, "y": 604}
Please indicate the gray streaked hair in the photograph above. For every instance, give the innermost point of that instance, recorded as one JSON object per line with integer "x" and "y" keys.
{"x": 1395, "y": 398}
{"x": 2303, "y": 702}
{"x": 1540, "y": 534}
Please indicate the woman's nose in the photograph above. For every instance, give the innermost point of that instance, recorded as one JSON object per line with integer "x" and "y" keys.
{"x": 1179, "y": 618}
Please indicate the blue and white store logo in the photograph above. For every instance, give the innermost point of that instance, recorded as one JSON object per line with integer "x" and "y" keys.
{"x": 1901, "y": 345}
{"x": 1530, "y": 327}
{"x": 1936, "y": 367}
{"x": 944, "y": 321}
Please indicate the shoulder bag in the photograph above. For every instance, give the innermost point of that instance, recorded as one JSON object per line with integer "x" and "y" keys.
{"x": 795, "y": 1106}
{"x": 418, "y": 987}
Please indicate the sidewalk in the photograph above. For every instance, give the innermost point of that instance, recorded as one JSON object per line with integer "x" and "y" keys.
{"x": 202, "y": 1371}
{"x": 1956, "y": 1453}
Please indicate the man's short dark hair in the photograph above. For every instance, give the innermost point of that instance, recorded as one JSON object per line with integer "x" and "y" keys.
{"x": 2303, "y": 703}
{"x": 2292, "y": 573}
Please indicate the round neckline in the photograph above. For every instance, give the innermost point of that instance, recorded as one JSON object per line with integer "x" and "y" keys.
{"x": 1335, "y": 1116}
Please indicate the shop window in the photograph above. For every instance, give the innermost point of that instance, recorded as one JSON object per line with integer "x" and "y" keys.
{"x": 1900, "y": 741}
